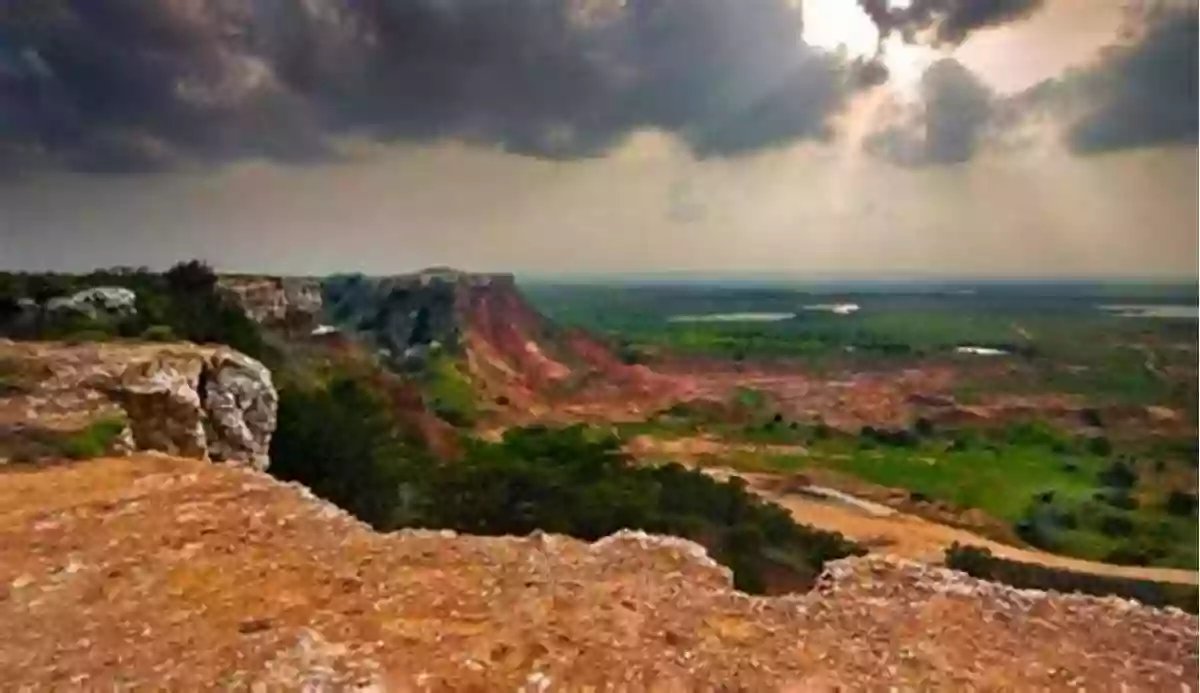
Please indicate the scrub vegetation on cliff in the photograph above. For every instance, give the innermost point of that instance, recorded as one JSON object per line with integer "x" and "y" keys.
{"x": 182, "y": 303}
{"x": 340, "y": 441}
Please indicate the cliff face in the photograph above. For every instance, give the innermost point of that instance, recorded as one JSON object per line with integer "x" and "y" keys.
{"x": 161, "y": 573}
{"x": 209, "y": 403}
{"x": 517, "y": 361}
{"x": 277, "y": 301}
{"x": 409, "y": 316}
{"x": 521, "y": 368}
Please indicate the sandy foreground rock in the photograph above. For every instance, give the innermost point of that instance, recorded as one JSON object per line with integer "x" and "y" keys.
{"x": 159, "y": 573}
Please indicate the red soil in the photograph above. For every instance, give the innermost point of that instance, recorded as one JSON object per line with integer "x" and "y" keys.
{"x": 535, "y": 372}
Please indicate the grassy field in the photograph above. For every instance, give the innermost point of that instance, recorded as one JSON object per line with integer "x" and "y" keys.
{"x": 1056, "y": 503}
{"x": 1135, "y": 504}
{"x": 1069, "y": 494}
{"x": 1058, "y": 335}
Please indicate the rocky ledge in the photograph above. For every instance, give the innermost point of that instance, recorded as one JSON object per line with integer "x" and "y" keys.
{"x": 159, "y": 573}
{"x": 211, "y": 403}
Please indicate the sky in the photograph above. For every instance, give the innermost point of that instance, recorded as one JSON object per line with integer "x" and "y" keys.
{"x": 988, "y": 138}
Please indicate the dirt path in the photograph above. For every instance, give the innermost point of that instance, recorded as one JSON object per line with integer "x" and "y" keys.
{"x": 899, "y": 534}
{"x": 917, "y": 538}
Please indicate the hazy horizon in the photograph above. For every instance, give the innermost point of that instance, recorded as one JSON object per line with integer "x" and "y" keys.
{"x": 669, "y": 275}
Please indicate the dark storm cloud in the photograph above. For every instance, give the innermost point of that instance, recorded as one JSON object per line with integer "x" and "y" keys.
{"x": 948, "y": 21}
{"x": 1137, "y": 94}
{"x": 115, "y": 85}
{"x": 119, "y": 85}
{"x": 948, "y": 127}
{"x": 1140, "y": 95}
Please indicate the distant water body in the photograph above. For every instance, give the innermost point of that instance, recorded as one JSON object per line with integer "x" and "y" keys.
{"x": 981, "y": 351}
{"x": 733, "y": 317}
{"x": 1154, "y": 311}
{"x": 834, "y": 308}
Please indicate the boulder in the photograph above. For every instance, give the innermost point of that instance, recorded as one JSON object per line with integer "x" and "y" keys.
{"x": 219, "y": 407}
{"x": 161, "y": 400}
{"x": 240, "y": 402}
{"x": 97, "y": 302}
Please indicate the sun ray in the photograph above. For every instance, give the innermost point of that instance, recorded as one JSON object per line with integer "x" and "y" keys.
{"x": 840, "y": 25}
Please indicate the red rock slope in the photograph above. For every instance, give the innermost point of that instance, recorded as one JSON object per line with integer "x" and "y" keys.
{"x": 155, "y": 573}
{"x": 514, "y": 353}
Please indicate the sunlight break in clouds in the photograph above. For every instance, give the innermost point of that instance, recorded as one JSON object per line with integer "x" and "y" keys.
{"x": 840, "y": 25}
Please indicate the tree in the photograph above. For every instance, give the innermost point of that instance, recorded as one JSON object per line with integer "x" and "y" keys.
{"x": 43, "y": 287}
{"x": 193, "y": 277}
{"x": 1119, "y": 474}
{"x": 1099, "y": 446}
{"x": 1091, "y": 417}
{"x": 340, "y": 441}
{"x": 1181, "y": 504}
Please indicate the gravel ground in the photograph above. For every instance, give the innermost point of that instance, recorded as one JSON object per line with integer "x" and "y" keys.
{"x": 154, "y": 573}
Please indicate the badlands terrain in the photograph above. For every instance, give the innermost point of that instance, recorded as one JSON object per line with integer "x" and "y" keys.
{"x": 158, "y": 530}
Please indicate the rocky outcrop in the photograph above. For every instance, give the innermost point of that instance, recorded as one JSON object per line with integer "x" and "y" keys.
{"x": 220, "y": 406}
{"x": 163, "y": 406}
{"x": 240, "y": 403}
{"x": 522, "y": 367}
{"x": 277, "y": 301}
{"x": 209, "y": 403}
{"x": 407, "y": 316}
{"x": 107, "y": 302}
{"x": 169, "y": 574}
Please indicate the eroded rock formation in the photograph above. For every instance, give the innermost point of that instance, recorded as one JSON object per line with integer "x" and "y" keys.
{"x": 277, "y": 301}
{"x": 219, "y": 405}
{"x": 209, "y": 403}
{"x": 408, "y": 316}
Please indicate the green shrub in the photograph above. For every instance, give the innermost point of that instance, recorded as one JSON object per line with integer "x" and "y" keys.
{"x": 1129, "y": 554}
{"x": 1181, "y": 504}
{"x": 571, "y": 482}
{"x": 341, "y": 442}
{"x": 94, "y": 441}
{"x": 10, "y": 386}
{"x": 1091, "y": 417}
{"x": 629, "y": 354}
{"x": 1099, "y": 446}
{"x": 449, "y": 393}
{"x": 86, "y": 336}
{"x": 11, "y": 382}
{"x": 1116, "y": 526}
{"x": 158, "y": 333}
{"x": 185, "y": 299}
{"x": 980, "y": 563}
{"x": 1117, "y": 498}
{"x": 1119, "y": 474}
{"x": 899, "y": 438}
